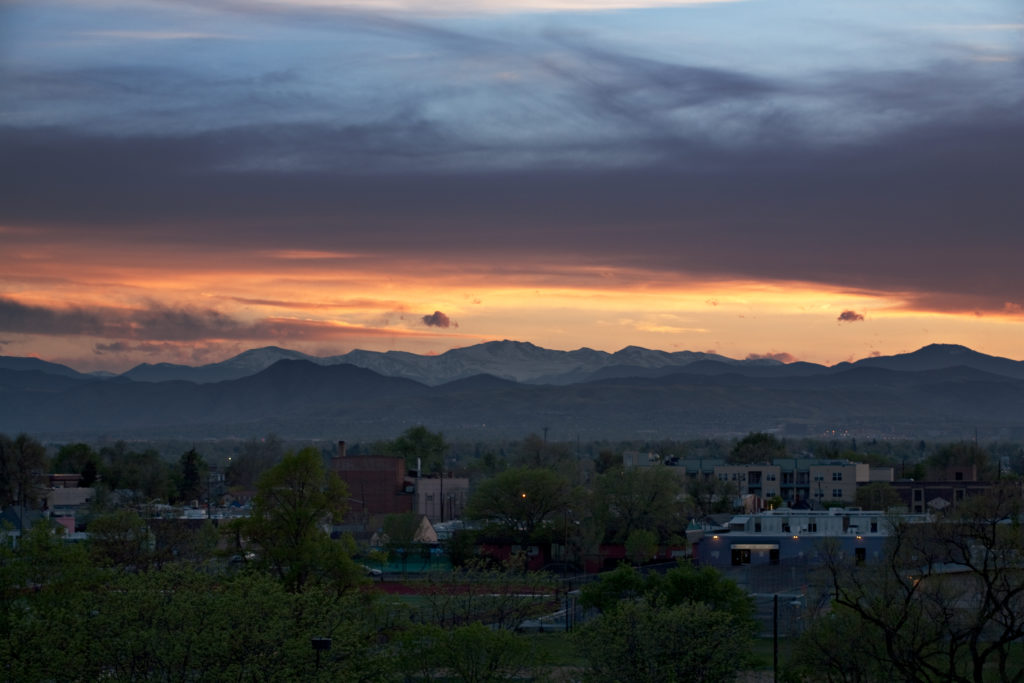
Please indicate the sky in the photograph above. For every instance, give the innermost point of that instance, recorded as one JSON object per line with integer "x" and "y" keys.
{"x": 816, "y": 180}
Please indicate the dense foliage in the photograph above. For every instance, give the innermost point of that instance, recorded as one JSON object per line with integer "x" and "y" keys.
{"x": 689, "y": 625}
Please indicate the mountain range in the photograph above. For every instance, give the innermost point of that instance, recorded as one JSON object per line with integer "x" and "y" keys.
{"x": 508, "y": 389}
{"x": 515, "y": 361}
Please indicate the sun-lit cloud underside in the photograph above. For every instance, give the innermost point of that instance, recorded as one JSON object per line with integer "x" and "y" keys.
{"x": 132, "y": 309}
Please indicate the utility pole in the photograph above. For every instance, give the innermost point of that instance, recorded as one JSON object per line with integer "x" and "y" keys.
{"x": 775, "y": 637}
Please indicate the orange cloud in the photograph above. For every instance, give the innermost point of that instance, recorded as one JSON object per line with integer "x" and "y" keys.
{"x": 782, "y": 356}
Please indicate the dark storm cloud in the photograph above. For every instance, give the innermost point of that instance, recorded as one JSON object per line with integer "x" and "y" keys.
{"x": 124, "y": 347}
{"x": 162, "y": 324}
{"x": 927, "y": 209}
{"x": 850, "y": 317}
{"x": 437, "y": 319}
{"x": 152, "y": 323}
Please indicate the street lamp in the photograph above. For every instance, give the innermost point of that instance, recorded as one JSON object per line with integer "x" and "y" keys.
{"x": 320, "y": 644}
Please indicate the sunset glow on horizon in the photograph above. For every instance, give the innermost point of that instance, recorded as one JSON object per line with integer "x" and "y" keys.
{"x": 797, "y": 180}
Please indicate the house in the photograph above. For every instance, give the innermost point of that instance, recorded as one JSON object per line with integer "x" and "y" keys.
{"x": 15, "y": 519}
{"x": 380, "y": 484}
{"x": 66, "y": 505}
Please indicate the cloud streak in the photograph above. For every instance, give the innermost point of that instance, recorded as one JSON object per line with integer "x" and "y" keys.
{"x": 165, "y": 324}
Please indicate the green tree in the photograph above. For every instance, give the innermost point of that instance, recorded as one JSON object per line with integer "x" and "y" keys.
{"x": 401, "y": 528}
{"x": 841, "y": 648}
{"x": 711, "y": 495}
{"x": 757, "y": 447}
{"x": 420, "y": 444}
{"x": 946, "y": 602}
{"x": 641, "y": 546}
{"x": 537, "y": 452}
{"x": 22, "y": 465}
{"x": 146, "y": 475}
{"x": 653, "y": 643}
{"x": 607, "y": 460}
{"x": 179, "y": 540}
{"x": 473, "y": 653}
{"x": 519, "y": 501}
{"x": 878, "y": 495}
{"x": 295, "y": 501}
{"x": 90, "y": 474}
{"x": 191, "y": 472}
{"x": 40, "y": 579}
{"x": 177, "y": 624}
{"x": 621, "y": 584}
{"x": 121, "y": 539}
{"x": 639, "y": 498}
{"x": 255, "y": 457}
{"x": 76, "y": 458}
{"x": 686, "y": 583}
{"x": 683, "y": 584}
{"x": 959, "y": 455}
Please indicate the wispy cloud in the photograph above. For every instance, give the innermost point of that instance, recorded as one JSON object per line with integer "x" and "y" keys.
{"x": 781, "y": 356}
{"x": 474, "y": 6}
{"x": 356, "y": 304}
{"x": 156, "y": 35}
{"x": 976, "y": 27}
{"x": 160, "y": 323}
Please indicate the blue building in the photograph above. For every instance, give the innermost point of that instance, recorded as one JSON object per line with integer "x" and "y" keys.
{"x": 785, "y": 536}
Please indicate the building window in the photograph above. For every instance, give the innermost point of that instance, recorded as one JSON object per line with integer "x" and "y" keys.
{"x": 874, "y": 526}
{"x": 740, "y": 556}
{"x": 837, "y": 476}
{"x": 770, "y": 476}
{"x": 812, "y": 527}
{"x": 837, "y": 493}
{"x": 860, "y": 555}
{"x": 757, "y": 526}
{"x": 918, "y": 494}
{"x": 723, "y": 477}
{"x": 959, "y": 476}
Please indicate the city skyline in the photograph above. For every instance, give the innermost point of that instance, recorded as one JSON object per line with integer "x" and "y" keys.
{"x": 801, "y": 180}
